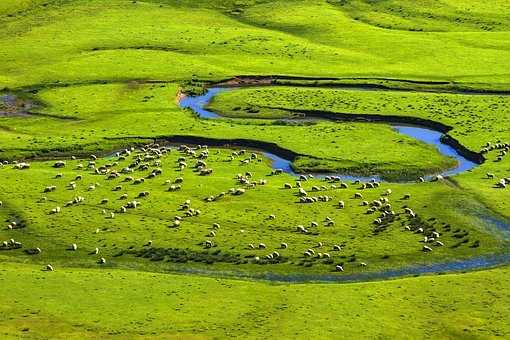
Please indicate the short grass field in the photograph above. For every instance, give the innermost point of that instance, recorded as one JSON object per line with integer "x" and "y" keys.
{"x": 151, "y": 239}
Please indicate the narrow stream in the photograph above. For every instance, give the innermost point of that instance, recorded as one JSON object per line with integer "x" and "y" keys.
{"x": 424, "y": 134}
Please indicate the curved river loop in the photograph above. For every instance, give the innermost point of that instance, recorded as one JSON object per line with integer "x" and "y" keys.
{"x": 426, "y": 134}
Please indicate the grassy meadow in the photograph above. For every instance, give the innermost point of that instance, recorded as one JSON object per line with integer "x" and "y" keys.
{"x": 92, "y": 77}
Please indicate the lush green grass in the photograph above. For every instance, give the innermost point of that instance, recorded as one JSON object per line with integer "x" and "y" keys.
{"x": 87, "y": 63}
{"x": 121, "y": 110}
{"x": 178, "y": 39}
{"x": 475, "y": 119}
{"x": 84, "y": 303}
{"x": 242, "y": 218}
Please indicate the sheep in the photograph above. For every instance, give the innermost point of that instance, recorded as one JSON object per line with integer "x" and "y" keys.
{"x": 421, "y": 179}
{"x": 426, "y": 248}
{"x": 276, "y": 254}
{"x": 363, "y": 264}
{"x": 300, "y": 229}
{"x": 262, "y": 246}
{"x": 104, "y": 201}
{"x": 326, "y": 255}
{"x": 50, "y": 188}
{"x": 251, "y": 246}
{"x": 143, "y": 194}
{"x": 284, "y": 246}
{"x": 438, "y": 178}
{"x": 341, "y": 204}
{"x": 216, "y": 226}
{"x": 59, "y": 164}
{"x": 407, "y": 196}
{"x": 208, "y": 244}
{"x": 302, "y": 192}
{"x": 339, "y": 268}
{"x": 272, "y": 217}
{"x": 1, "y": 203}
{"x": 49, "y": 268}
{"x": 73, "y": 247}
{"x": 490, "y": 175}
{"x": 358, "y": 195}
{"x": 314, "y": 224}
{"x": 212, "y": 233}
{"x": 336, "y": 247}
{"x": 287, "y": 186}
{"x": 102, "y": 260}
{"x": 319, "y": 245}
{"x": 387, "y": 192}
{"x": 112, "y": 214}
{"x": 439, "y": 243}
{"x": 344, "y": 185}
{"x": 55, "y": 211}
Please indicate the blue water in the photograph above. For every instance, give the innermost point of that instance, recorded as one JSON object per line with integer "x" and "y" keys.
{"x": 426, "y": 135}
{"x": 433, "y": 137}
{"x": 198, "y": 103}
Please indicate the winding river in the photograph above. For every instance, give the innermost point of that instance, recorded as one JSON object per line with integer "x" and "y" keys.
{"x": 425, "y": 134}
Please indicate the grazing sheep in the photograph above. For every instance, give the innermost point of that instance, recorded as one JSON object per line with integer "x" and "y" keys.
{"x": 302, "y": 192}
{"x": 59, "y": 164}
{"x": 363, "y": 264}
{"x": 49, "y": 268}
{"x": 251, "y": 246}
{"x": 104, "y": 201}
{"x": 439, "y": 243}
{"x": 212, "y": 233}
{"x": 287, "y": 186}
{"x": 407, "y": 196}
{"x": 314, "y": 224}
{"x": 336, "y": 247}
{"x": 73, "y": 247}
{"x": 421, "y": 179}
{"x": 358, "y": 195}
{"x": 112, "y": 214}
{"x": 272, "y": 217}
{"x": 438, "y": 178}
{"x": 490, "y": 175}
{"x": 426, "y": 248}
{"x": 143, "y": 194}
{"x": 1, "y": 203}
{"x": 55, "y": 210}
{"x": 339, "y": 268}
{"x": 319, "y": 245}
{"x": 216, "y": 226}
{"x": 208, "y": 244}
{"x": 262, "y": 246}
{"x": 341, "y": 204}
{"x": 102, "y": 260}
{"x": 284, "y": 246}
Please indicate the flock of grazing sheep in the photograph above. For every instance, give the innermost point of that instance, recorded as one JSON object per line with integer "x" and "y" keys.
{"x": 147, "y": 158}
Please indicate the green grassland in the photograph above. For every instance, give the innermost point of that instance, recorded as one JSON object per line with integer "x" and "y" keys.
{"x": 243, "y": 220}
{"x": 68, "y": 119}
{"x": 78, "y": 303}
{"x": 93, "y": 77}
